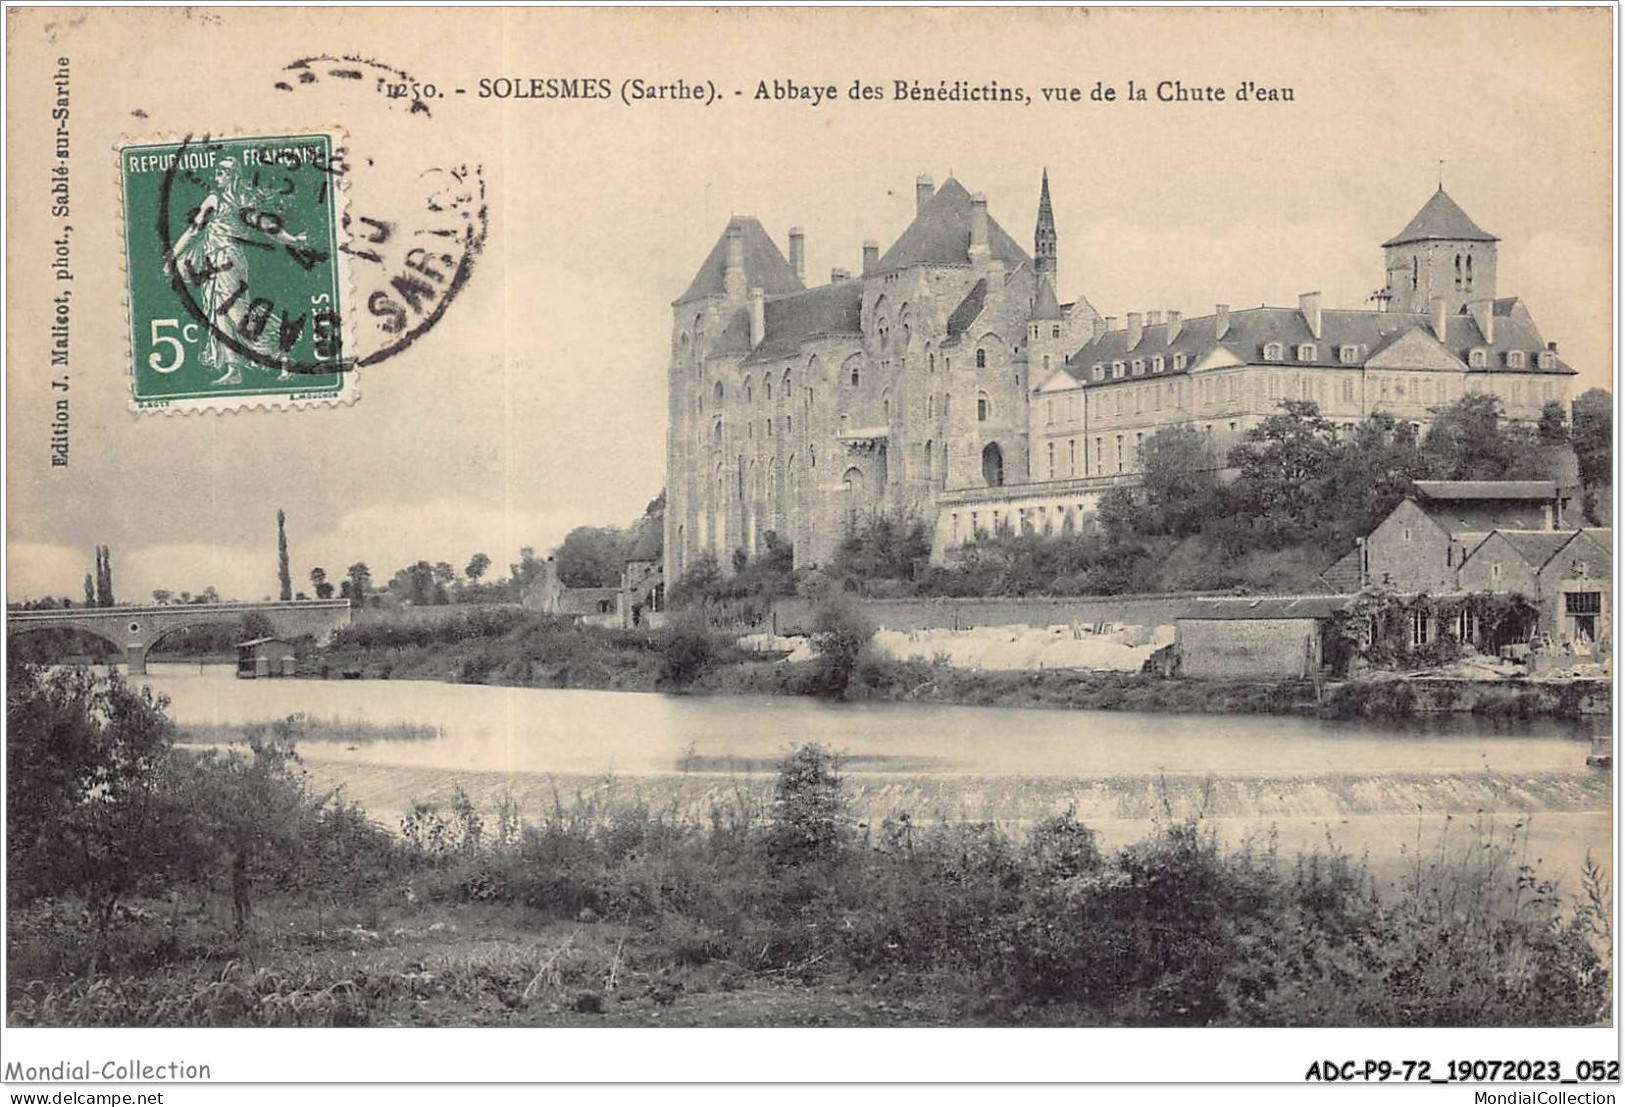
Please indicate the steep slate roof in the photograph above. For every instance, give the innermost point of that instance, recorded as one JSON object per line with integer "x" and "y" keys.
{"x": 765, "y": 267}
{"x": 967, "y": 311}
{"x": 940, "y": 235}
{"x": 1269, "y": 607}
{"x": 1441, "y": 219}
{"x": 1542, "y": 490}
{"x": 1370, "y": 332}
{"x": 1045, "y": 306}
{"x": 830, "y": 309}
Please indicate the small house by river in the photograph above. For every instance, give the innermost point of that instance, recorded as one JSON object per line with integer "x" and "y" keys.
{"x": 265, "y": 657}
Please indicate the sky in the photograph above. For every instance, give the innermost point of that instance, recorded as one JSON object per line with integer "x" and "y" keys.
{"x": 539, "y": 402}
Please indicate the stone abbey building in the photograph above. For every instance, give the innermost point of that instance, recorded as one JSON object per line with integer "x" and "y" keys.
{"x": 945, "y": 379}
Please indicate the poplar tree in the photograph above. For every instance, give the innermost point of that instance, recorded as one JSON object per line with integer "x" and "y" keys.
{"x": 283, "y": 576}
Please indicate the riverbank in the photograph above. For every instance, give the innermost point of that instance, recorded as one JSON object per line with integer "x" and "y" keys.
{"x": 535, "y": 652}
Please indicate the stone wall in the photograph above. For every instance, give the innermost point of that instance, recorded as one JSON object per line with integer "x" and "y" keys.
{"x": 794, "y": 616}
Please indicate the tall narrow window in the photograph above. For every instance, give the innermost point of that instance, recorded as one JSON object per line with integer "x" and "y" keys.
{"x": 981, "y": 358}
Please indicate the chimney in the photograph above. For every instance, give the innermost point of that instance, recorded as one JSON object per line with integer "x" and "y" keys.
{"x": 1551, "y": 346}
{"x": 924, "y": 189}
{"x": 1173, "y": 326}
{"x": 758, "y": 317}
{"x": 1309, "y": 307}
{"x": 1153, "y": 319}
{"x": 1483, "y": 313}
{"x": 1134, "y": 319}
{"x": 798, "y": 253}
{"x": 1111, "y": 322}
{"x": 836, "y": 276}
{"x": 979, "y": 250}
{"x": 1221, "y": 320}
{"x": 733, "y": 276}
{"x": 1099, "y": 328}
{"x": 871, "y": 257}
{"x": 1440, "y": 317}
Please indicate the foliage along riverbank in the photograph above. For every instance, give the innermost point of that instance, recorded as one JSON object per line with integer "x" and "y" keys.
{"x": 221, "y": 889}
{"x": 510, "y": 647}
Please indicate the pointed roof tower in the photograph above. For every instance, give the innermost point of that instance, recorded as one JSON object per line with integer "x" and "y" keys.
{"x": 1044, "y": 241}
{"x": 1441, "y": 219}
{"x": 764, "y": 266}
{"x": 941, "y": 234}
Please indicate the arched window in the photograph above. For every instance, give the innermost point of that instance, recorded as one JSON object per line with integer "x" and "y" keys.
{"x": 1515, "y": 359}
{"x": 1458, "y": 270}
{"x": 855, "y": 377}
{"x": 981, "y": 358}
{"x": 931, "y": 362}
{"x": 885, "y": 408}
{"x": 749, "y": 396}
{"x": 983, "y": 408}
{"x": 1272, "y": 351}
{"x": 1469, "y": 283}
{"x": 767, "y": 391}
{"x": 1306, "y": 351}
{"x": 1478, "y": 359}
{"x": 926, "y": 458}
{"x": 787, "y": 384}
{"x": 716, "y": 393}
{"x": 931, "y": 407}
{"x": 716, "y": 432}
{"x": 1416, "y": 272}
{"x": 947, "y": 404}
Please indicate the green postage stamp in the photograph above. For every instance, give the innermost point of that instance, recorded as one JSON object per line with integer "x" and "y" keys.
{"x": 234, "y": 273}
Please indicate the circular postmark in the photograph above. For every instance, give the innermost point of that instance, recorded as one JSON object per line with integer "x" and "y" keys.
{"x": 260, "y": 245}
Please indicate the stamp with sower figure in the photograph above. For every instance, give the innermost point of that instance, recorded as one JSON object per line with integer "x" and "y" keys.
{"x": 235, "y": 272}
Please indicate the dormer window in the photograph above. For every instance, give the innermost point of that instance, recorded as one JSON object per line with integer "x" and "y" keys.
{"x": 1117, "y": 370}
{"x": 1273, "y": 351}
{"x": 1306, "y": 351}
{"x": 1179, "y": 362}
{"x": 1514, "y": 359}
{"x": 1139, "y": 367}
{"x": 1098, "y": 371}
{"x": 1478, "y": 359}
{"x": 1157, "y": 364}
{"x": 1348, "y": 355}
{"x": 1547, "y": 360}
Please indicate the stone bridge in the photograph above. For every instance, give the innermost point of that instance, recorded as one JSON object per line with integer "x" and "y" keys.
{"x": 136, "y": 629}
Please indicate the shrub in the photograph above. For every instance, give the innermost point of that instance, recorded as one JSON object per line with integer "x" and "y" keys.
{"x": 810, "y": 820}
{"x": 686, "y": 653}
{"x": 841, "y": 635}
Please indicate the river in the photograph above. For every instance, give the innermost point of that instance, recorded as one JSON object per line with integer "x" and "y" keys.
{"x": 1382, "y": 788}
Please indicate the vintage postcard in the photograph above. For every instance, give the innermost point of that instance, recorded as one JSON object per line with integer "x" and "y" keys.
{"x": 1088, "y": 519}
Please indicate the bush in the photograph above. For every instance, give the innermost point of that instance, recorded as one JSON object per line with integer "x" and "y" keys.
{"x": 841, "y": 635}
{"x": 687, "y": 652}
{"x": 810, "y": 818}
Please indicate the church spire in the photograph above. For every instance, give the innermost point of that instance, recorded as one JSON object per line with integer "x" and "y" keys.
{"x": 1044, "y": 243}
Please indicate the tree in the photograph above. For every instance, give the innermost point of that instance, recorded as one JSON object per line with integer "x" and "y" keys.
{"x": 1284, "y": 461}
{"x": 1473, "y": 440}
{"x": 1552, "y": 428}
{"x": 591, "y": 557}
{"x": 477, "y": 566}
{"x": 162, "y": 595}
{"x": 319, "y": 581}
{"x": 1593, "y": 436}
{"x": 284, "y": 579}
{"x": 84, "y": 805}
{"x": 415, "y": 584}
{"x": 360, "y": 579}
{"x": 90, "y": 587}
{"x": 104, "y": 577}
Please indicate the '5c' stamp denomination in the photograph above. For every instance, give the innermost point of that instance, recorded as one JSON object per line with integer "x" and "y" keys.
{"x": 235, "y": 275}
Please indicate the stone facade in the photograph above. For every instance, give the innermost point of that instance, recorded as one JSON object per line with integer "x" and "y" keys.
{"x": 1249, "y": 649}
{"x": 801, "y": 409}
{"x": 1567, "y": 575}
{"x": 1423, "y": 543}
